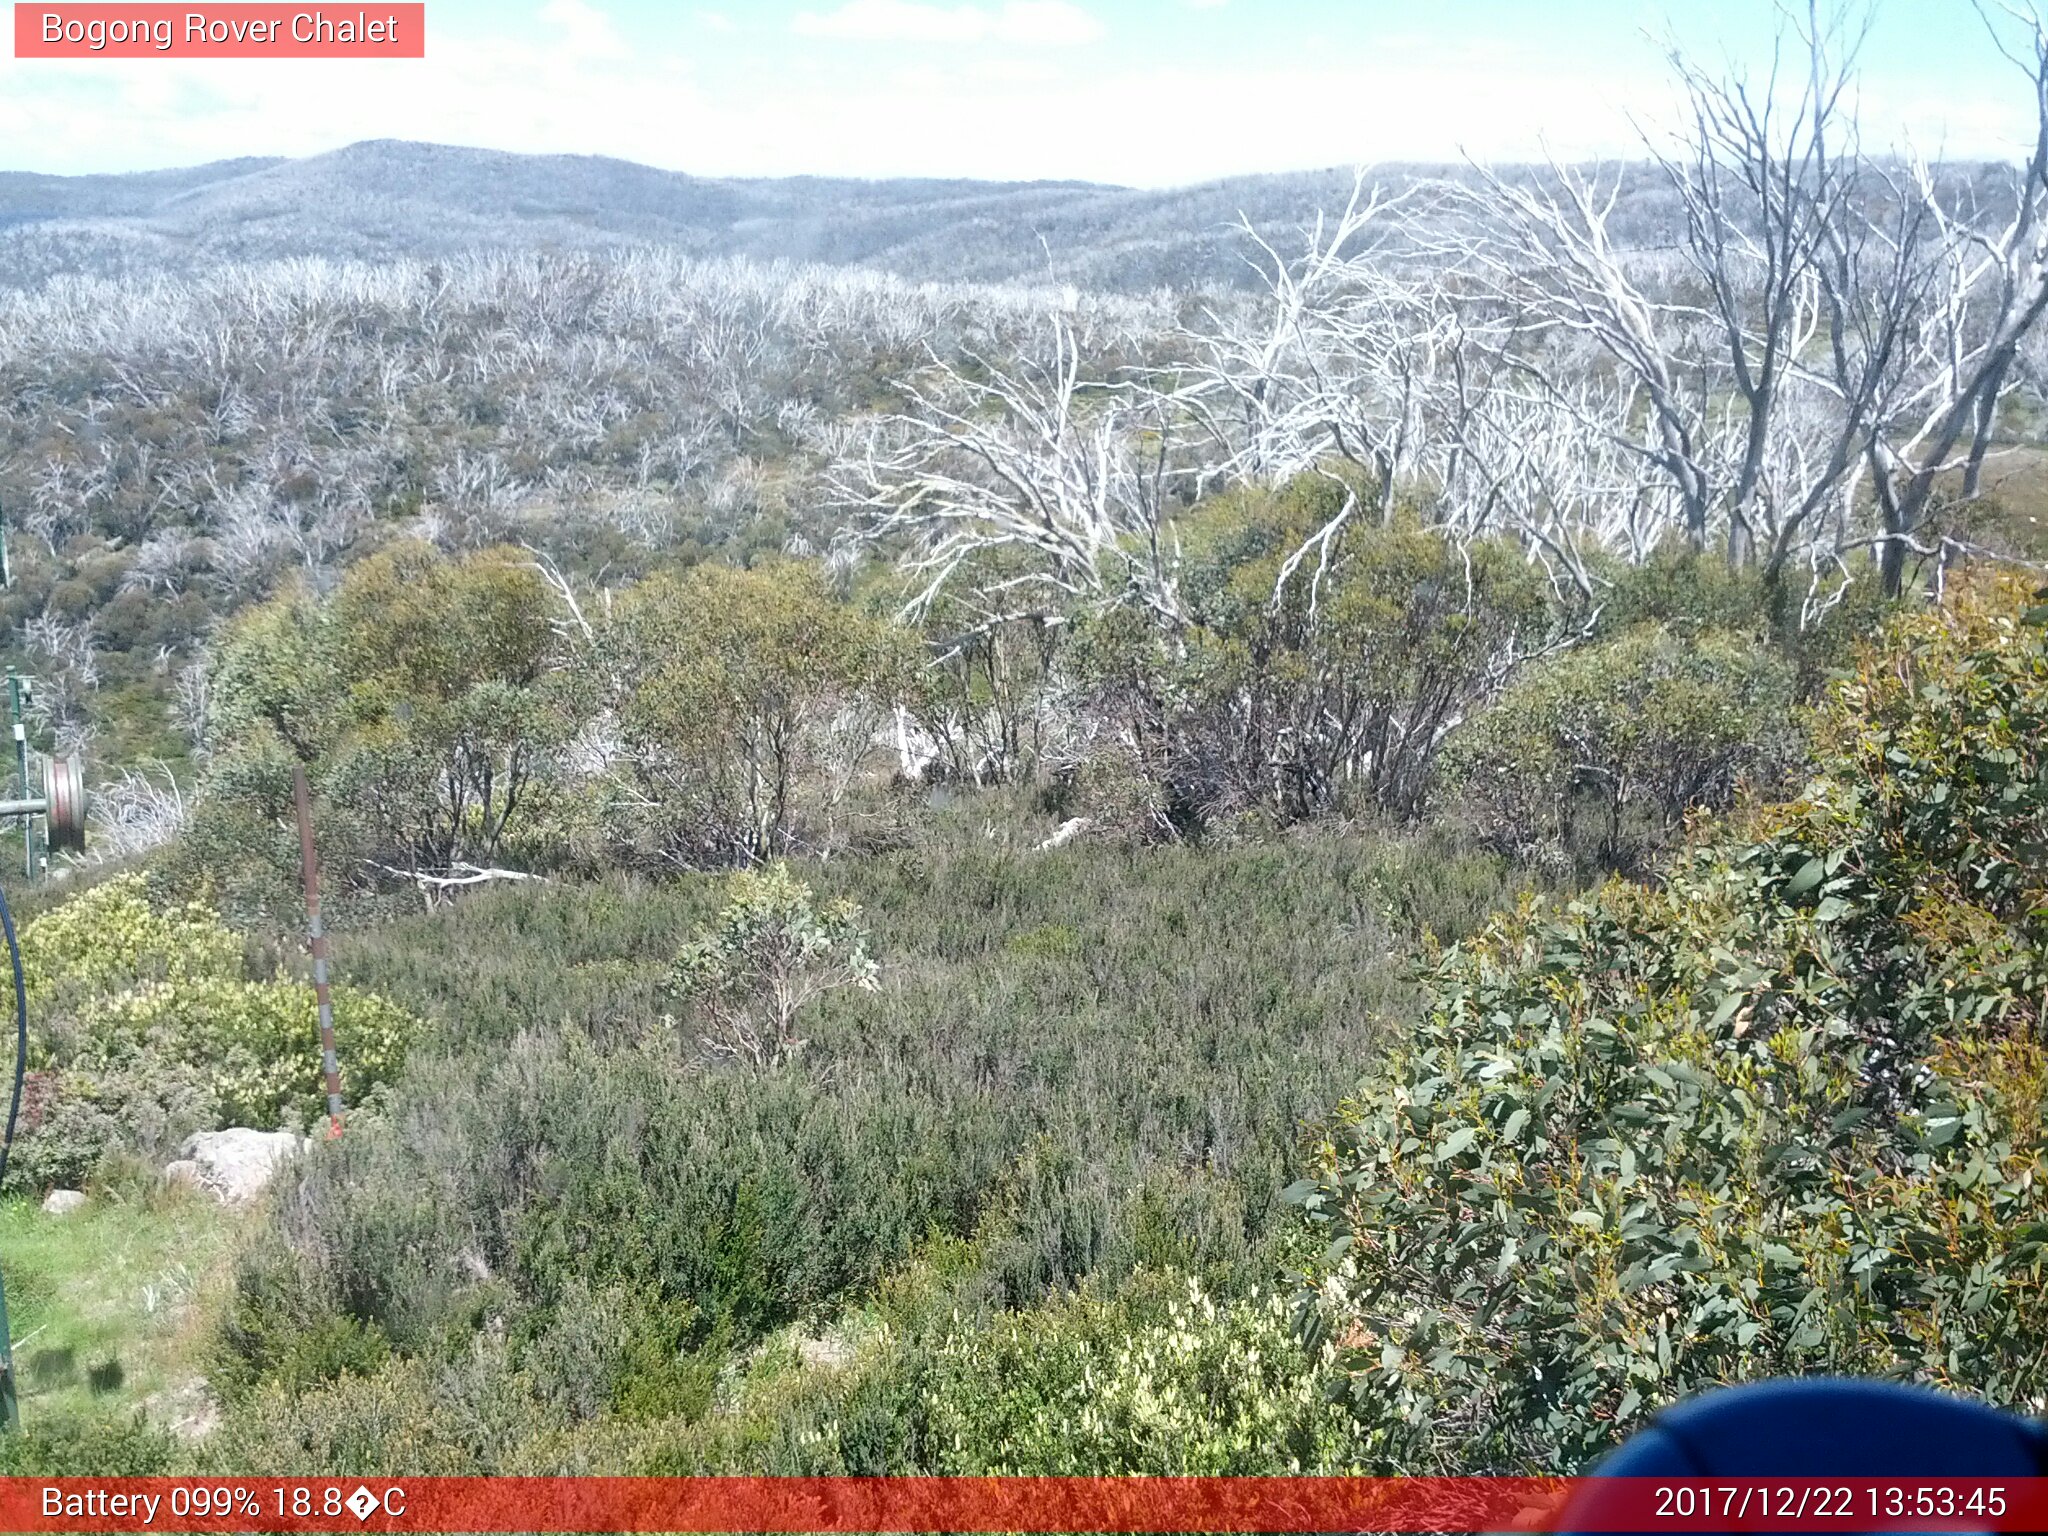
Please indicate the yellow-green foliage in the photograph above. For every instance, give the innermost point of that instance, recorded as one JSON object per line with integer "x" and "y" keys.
{"x": 737, "y": 694}
{"x": 148, "y": 1029}
{"x": 424, "y": 699}
{"x": 1640, "y": 728}
{"x": 257, "y": 1041}
{"x": 114, "y": 937}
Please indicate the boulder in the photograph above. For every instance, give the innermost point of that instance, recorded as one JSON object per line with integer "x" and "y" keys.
{"x": 62, "y": 1202}
{"x": 183, "y": 1174}
{"x": 236, "y": 1165}
{"x": 829, "y": 1352}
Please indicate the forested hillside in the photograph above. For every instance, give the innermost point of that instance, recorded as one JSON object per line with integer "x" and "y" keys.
{"x": 391, "y": 200}
{"x": 1385, "y": 867}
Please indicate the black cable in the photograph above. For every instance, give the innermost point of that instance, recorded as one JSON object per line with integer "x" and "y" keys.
{"x": 20, "y": 1033}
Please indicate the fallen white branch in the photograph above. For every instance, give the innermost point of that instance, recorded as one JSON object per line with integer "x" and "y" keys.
{"x": 458, "y": 875}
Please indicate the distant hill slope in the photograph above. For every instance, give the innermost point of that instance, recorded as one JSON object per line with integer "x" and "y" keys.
{"x": 390, "y": 198}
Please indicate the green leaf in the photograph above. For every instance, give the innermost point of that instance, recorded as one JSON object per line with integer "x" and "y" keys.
{"x": 1456, "y": 1142}
{"x": 1811, "y": 873}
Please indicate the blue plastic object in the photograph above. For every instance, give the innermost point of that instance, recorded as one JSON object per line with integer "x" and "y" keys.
{"x": 1825, "y": 1427}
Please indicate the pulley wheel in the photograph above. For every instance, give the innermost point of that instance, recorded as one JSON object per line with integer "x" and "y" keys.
{"x": 64, "y": 789}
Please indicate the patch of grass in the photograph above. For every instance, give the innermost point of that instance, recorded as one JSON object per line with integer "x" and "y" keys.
{"x": 105, "y": 1305}
{"x": 2012, "y": 517}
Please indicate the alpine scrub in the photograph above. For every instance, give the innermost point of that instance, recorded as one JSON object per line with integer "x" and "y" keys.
{"x": 149, "y": 1029}
{"x": 1782, "y": 1115}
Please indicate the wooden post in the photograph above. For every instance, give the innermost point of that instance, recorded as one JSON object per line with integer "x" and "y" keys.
{"x": 310, "y": 863}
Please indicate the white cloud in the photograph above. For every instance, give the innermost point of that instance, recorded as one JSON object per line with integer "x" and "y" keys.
{"x": 1016, "y": 23}
{"x": 583, "y": 29}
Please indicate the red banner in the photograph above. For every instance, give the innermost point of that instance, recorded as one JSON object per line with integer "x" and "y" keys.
{"x": 1065, "y": 1504}
{"x": 237, "y": 31}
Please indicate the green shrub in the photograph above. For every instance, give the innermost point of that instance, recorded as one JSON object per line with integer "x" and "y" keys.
{"x": 1160, "y": 1380}
{"x": 463, "y": 1416}
{"x": 258, "y": 1042}
{"x": 427, "y": 700}
{"x": 1153, "y": 1376}
{"x": 1816, "y": 632}
{"x": 92, "y": 1114}
{"x": 622, "y": 1349}
{"x": 748, "y": 704}
{"x": 151, "y": 1032}
{"x": 1784, "y": 1115}
{"x": 1128, "y": 1097}
{"x": 1610, "y": 745}
{"x": 114, "y": 937}
{"x": 96, "y": 1447}
{"x": 1331, "y": 689}
{"x": 771, "y": 953}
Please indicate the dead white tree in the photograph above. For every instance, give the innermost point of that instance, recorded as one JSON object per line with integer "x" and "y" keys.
{"x": 1038, "y": 485}
{"x": 1766, "y": 176}
{"x": 1750, "y": 385}
{"x": 1538, "y": 470}
{"x": 1340, "y": 362}
{"x": 142, "y": 810}
{"x": 1988, "y": 294}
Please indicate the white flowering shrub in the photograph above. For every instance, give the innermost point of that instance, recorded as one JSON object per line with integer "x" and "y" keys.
{"x": 1162, "y": 1380}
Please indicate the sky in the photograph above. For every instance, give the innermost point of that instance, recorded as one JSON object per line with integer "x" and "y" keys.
{"x": 1137, "y": 92}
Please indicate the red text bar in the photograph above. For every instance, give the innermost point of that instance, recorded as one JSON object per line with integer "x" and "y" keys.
{"x": 1054, "y": 1504}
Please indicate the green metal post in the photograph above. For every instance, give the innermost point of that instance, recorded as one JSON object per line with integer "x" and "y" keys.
{"x": 28, "y": 826}
{"x": 10, "y": 1405}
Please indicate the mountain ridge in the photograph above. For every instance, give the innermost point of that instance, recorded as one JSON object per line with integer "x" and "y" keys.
{"x": 387, "y": 198}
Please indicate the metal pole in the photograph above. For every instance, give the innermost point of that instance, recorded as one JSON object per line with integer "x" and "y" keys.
{"x": 302, "y": 804}
{"x": 28, "y": 835}
{"x": 10, "y": 1400}
{"x": 10, "y": 1405}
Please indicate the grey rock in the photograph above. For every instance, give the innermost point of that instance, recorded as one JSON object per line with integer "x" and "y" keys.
{"x": 829, "y": 1352}
{"x": 62, "y": 1202}
{"x": 237, "y": 1165}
